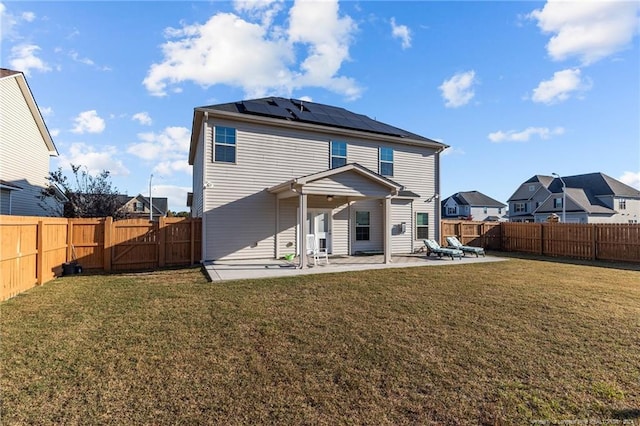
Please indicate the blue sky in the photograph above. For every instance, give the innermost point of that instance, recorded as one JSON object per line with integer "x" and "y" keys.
{"x": 515, "y": 88}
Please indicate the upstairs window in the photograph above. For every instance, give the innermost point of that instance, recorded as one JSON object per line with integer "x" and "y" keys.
{"x": 139, "y": 206}
{"x": 338, "y": 154}
{"x": 623, "y": 204}
{"x": 452, "y": 211}
{"x": 519, "y": 207}
{"x": 422, "y": 226}
{"x": 224, "y": 144}
{"x": 386, "y": 161}
{"x": 557, "y": 203}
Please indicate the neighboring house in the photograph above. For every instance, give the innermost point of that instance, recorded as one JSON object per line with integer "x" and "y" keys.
{"x": 139, "y": 206}
{"x": 474, "y": 205}
{"x": 590, "y": 198}
{"x": 26, "y": 148}
{"x": 266, "y": 172}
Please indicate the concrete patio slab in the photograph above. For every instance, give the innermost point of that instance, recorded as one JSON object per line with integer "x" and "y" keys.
{"x": 271, "y": 268}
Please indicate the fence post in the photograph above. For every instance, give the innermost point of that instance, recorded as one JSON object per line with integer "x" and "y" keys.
{"x": 594, "y": 241}
{"x": 69, "y": 240}
{"x": 542, "y": 239}
{"x": 108, "y": 244}
{"x": 162, "y": 242}
{"x": 193, "y": 243}
{"x": 40, "y": 255}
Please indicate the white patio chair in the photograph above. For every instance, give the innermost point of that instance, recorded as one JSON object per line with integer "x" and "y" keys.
{"x": 313, "y": 249}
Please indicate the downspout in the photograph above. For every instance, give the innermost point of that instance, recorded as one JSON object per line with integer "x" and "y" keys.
{"x": 203, "y": 244}
{"x": 436, "y": 203}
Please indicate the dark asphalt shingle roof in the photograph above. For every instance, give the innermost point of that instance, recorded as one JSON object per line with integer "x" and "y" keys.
{"x": 295, "y": 110}
{"x": 474, "y": 199}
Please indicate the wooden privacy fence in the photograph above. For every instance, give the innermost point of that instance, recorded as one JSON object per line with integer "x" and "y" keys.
{"x": 594, "y": 241}
{"x": 34, "y": 249}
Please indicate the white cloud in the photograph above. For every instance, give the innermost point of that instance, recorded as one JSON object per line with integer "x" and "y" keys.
{"x": 402, "y": 32}
{"x": 46, "y": 111}
{"x": 94, "y": 161}
{"x": 458, "y": 90}
{"x": 88, "y": 122}
{"x": 142, "y": 118}
{"x": 170, "y": 148}
{"x": 9, "y": 22}
{"x": 590, "y": 30}
{"x": 221, "y": 50}
{"x": 24, "y": 58}
{"x": 560, "y": 87}
{"x": 631, "y": 179}
{"x": 76, "y": 57}
{"x": 54, "y": 132}
{"x": 453, "y": 151}
{"x": 524, "y": 135}
{"x": 28, "y": 16}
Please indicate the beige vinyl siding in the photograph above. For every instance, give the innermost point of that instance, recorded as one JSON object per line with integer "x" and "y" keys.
{"x": 349, "y": 184}
{"x": 24, "y": 156}
{"x": 287, "y": 222}
{"x": 266, "y": 157}
{"x": 401, "y": 211}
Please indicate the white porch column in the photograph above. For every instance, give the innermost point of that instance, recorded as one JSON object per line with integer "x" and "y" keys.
{"x": 302, "y": 226}
{"x": 276, "y": 236}
{"x": 387, "y": 230}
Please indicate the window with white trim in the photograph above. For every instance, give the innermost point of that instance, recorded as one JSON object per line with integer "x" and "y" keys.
{"x": 386, "y": 161}
{"x": 519, "y": 207}
{"x": 622, "y": 204}
{"x": 557, "y": 203}
{"x": 224, "y": 150}
{"x": 452, "y": 211}
{"x": 363, "y": 226}
{"x": 422, "y": 226}
{"x": 338, "y": 154}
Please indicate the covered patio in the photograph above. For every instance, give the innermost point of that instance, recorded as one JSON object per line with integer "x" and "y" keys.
{"x": 333, "y": 189}
{"x": 269, "y": 268}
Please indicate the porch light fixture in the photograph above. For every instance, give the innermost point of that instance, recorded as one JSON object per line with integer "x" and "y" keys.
{"x": 433, "y": 197}
{"x": 329, "y": 197}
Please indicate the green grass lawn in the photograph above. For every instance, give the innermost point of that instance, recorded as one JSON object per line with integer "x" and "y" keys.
{"x": 495, "y": 343}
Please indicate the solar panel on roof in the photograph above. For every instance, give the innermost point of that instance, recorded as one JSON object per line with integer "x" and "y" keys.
{"x": 265, "y": 109}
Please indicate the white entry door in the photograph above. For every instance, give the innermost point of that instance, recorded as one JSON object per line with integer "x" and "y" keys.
{"x": 319, "y": 224}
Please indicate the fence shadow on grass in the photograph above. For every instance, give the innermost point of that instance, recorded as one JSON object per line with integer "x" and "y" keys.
{"x": 628, "y": 266}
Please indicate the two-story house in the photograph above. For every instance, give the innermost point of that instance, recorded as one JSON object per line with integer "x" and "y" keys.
{"x": 472, "y": 205}
{"x": 140, "y": 206}
{"x": 528, "y": 198}
{"x": 590, "y": 198}
{"x": 267, "y": 172}
{"x": 26, "y": 148}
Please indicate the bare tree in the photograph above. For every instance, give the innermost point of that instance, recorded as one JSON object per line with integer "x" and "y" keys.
{"x": 84, "y": 195}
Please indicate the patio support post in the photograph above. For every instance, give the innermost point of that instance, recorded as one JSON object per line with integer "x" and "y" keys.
{"x": 302, "y": 225}
{"x": 387, "y": 230}
{"x": 276, "y": 240}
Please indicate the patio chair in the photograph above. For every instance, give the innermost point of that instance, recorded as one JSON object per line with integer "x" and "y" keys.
{"x": 313, "y": 249}
{"x": 434, "y": 247}
{"x": 456, "y": 244}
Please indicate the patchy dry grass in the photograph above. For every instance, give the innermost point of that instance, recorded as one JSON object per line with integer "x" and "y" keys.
{"x": 498, "y": 343}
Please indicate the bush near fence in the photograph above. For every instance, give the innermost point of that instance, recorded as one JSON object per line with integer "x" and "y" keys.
{"x": 593, "y": 241}
{"x": 34, "y": 249}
